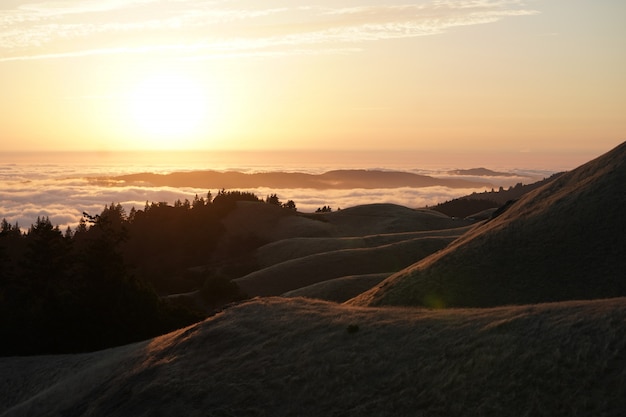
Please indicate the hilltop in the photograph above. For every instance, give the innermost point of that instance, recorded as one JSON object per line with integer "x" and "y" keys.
{"x": 306, "y": 249}
{"x": 562, "y": 241}
{"x": 278, "y": 357}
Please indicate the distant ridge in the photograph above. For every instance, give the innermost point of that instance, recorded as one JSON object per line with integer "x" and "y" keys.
{"x": 562, "y": 241}
{"x": 481, "y": 172}
{"x": 339, "y": 179}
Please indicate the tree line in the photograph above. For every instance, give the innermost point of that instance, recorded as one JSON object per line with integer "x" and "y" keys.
{"x": 100, "y": 284}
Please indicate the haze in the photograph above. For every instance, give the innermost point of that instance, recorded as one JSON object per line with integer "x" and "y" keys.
{"x": 508, "y": 76}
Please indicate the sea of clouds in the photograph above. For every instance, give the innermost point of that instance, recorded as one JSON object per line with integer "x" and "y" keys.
{"x": 62, "y": 191}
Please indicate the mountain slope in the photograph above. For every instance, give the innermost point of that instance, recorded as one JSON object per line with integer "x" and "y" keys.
{"x": 298, "y": 247}
{"x": 340, "y": 289}
{"x": 300, "y": 272}
{"x": 562, "y": 241}
{"x": 279, "y": 357}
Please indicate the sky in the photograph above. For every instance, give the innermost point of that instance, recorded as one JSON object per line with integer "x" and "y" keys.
{"x": 512, "y": 76}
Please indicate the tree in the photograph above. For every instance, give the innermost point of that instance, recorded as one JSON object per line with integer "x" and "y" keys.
{"x": 290, "y": 205}
{"x": 46, "y": 258}
{"x": 7, "y": 230}
{"x": 273, "y": 199}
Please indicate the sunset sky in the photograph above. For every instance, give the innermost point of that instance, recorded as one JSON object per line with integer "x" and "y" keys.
{"x": 511, "y": 75}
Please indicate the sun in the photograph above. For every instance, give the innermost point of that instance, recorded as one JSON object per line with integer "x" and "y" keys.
{"x": 168, "y": 109}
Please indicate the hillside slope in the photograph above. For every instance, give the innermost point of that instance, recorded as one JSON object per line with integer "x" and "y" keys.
{"x": 278, "y": 357}
{"x": 563, "y": 241}
{"x": 300, "y": 272}
{"x": 271, "y": 223}
{"x": 298, "y": 247}
{"x": 340, "y": 289}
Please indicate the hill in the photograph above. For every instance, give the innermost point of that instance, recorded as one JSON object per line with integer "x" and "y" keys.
{"x": 300, "y": 272}
{"x": 279, "y": 357}
{"x": 474, "y": 203}
{"x": 339, "y": 289}
{"x": 270, "y": 223}
{"x": 367, "y": 239}
{"x": 298, "y": 247}
{"x": 339, "y": 179}
{"x": 562, "y": 241}
{"x": 481, "y": 172}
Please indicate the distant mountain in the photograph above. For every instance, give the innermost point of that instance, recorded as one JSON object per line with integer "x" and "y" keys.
{"x": 562, "y": 241}
{"x": 481, "y": 172}
{"x": 339, "y": 179}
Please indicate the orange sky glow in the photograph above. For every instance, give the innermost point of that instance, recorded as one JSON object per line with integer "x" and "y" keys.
{"x": 509, "y": 76}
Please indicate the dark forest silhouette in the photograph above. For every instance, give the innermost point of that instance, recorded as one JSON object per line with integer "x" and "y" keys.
{"x": 101, "y": 284}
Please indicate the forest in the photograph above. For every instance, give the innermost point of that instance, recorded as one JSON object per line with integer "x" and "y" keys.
{"x": 102, "y": 284}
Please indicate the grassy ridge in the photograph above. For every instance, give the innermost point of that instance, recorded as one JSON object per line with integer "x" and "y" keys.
{"x": 562, "y": 241}
{"x": 283, "y": 357}
{"x": 307, "y": 270}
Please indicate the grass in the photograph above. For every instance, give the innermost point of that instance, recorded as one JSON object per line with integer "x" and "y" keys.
{"x": 300, "y": 272}
{"x": 563, "y": 241}
{"x": 298, "y": 247}
{"x": 339, "y": 289}
{"x": 279, "y": 357}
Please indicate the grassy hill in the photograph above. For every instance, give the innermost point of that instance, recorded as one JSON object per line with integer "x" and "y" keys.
{"x": 287, "y": 249}
{"x": 300, "y": 272}
{"x": 562, "y": 241}
{"x": 285, "y": 357}
{"x": 340, "y": 289}
{"x": 368, "y": 239}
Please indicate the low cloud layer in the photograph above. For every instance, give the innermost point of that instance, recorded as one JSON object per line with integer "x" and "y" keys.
{"x": 62, "y": 187}
{"x": 36, "y": 30}
{"x": 64, "y": 200}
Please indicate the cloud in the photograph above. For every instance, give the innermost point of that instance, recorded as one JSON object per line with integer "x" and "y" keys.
{"x": 196, "y": 28}
{"x": 64, "y": 200}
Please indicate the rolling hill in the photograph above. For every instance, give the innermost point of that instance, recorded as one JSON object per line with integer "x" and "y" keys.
{"x": 300, "y": 272}
{"x": 562, "y": 241}
{"x": 271, "y": 223}
{"x": 367, "y": 239}
{"x": 284, "y": 357}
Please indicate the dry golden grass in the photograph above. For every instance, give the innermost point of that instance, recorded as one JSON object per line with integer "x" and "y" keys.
{"x": 401, "y": 237}
{"x": 287, "y": 357}
{"x": 562, "y": 241}
{"x": 298, "y": 247}
{"x": 339, "y": 289}
{"x": 300, "y": 272}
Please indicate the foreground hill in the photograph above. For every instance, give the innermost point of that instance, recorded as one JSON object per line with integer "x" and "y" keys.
{"x": 279, "y": 357}
{"x": 563, "y": 241}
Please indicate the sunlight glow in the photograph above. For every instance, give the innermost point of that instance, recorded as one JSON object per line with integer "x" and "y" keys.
{"x": 169, "y": 108}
